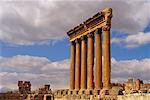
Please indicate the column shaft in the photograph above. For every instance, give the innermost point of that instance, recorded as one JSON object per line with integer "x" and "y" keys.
{"x": 83, "y": 63}
{"x": 77, "y": 66}
{"x": 107, "y": 61}
{"x": 98, "y": 69}
{"x": 72, "y": 67}
{"x": 90, "y": 60}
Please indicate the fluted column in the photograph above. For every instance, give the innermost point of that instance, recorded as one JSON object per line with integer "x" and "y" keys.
{"x": 83, "y": 63}
{"x": 77, "y": 65}
{"x": 90, "y": 60}
{"x": 72, "y": 66}
{"x": 98, "y": 69}
{"x": 107, "y": 61}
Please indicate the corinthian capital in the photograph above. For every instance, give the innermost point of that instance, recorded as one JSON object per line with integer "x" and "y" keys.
{"x": 90, "y": 35}
{"x": 107, "y": 15}
{"x": 83, "y": 38}
{"x": 77, "y": 40}
{"x": 107, "y": 12}
{"x": 106, "y": 28}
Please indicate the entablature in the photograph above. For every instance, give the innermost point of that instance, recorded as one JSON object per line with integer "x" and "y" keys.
{"x": 97, "y": 21}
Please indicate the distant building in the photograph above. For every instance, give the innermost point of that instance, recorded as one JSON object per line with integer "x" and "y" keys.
{"x": 44, "y": 93}
{"x": 24, "y": 87}
{"x": 135, "y": 86}
{"x": 45, "y": 90}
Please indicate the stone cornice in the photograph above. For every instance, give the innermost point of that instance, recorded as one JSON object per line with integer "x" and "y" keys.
{"x": 97, "y": 21}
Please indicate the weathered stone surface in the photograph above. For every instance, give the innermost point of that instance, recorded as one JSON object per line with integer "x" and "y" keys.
{"x": 107, "y": 61}
{"x": 137, "y": 96}
{"x": 82, "y": 55}
{"x": 72, "y": 66}
{"x": 90, "y": 61}
{"x": 77, "y": 65}
{"x": 83, "y": 63}
{"x": 98, "y": 69}
{"x": 24, "y": 87}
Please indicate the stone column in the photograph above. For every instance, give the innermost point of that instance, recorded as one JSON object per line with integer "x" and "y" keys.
{"x": 107, "y": 61}
{"x": 72, "y": 66}
{"x": 107, "y": 56}
{"x": 77, "y": 65}
{"x": 83, "y": 63}
{"x": 90, "y": 60}
{"x": 98, "y": 69}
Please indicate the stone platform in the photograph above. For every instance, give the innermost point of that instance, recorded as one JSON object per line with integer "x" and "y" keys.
{"x": 85, "y": 95}
{"x": 136, "y": 96}
{"x": 98, "y": 95}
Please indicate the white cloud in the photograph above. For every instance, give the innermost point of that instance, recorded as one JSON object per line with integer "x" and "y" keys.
{"x": 40, "y": 70}
{"x": 30, "y": 22}
{"x": 134, "y": 40}
{"x": 116, "y": 40}
{"x": 138, "y": 39}
{"x": 124, "y": 69}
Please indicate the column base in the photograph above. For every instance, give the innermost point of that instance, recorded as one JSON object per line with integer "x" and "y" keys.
{"x": 105, "y": 92}
{"x": 76, "y": 92}
{"x": 97, "y": 91}
{"x": 70, "y": 92}
{"x": 82, "y": 91}
{"x": 89, "y": 92}
{"x": 65, "y": 92}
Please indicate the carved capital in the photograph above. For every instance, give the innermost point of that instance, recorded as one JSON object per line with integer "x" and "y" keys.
{"x": 106, "y": 28}
{"x": 77, "y": 40}
{"x": 107, "y": 15}
{"x": 83, "y": 37}
{"x": 72, "y": 42}
{"x": 98, "y": 31}
{"x": 90, "y": 35}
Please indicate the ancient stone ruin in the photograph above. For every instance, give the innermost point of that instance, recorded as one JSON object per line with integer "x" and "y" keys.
{"x": 88, "y": 41}
{"x": 82, "y": 53}
{"x": 24, "y": 87}
{"x": 82, "y": 40}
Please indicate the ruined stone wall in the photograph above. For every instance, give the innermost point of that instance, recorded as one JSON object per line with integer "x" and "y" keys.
{"x": 108, "y": 97}
{"x": 87, "y": 95}
{"x": 24, "y": 87}
{"x": 10, "y": 96}
{"x": 136, "y": 96}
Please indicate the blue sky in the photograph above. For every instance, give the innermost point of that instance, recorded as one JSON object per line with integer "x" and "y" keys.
{"x": 61, "y": 50}
{"x": 34, "y": 45}
{"x": 57, "y": 51}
